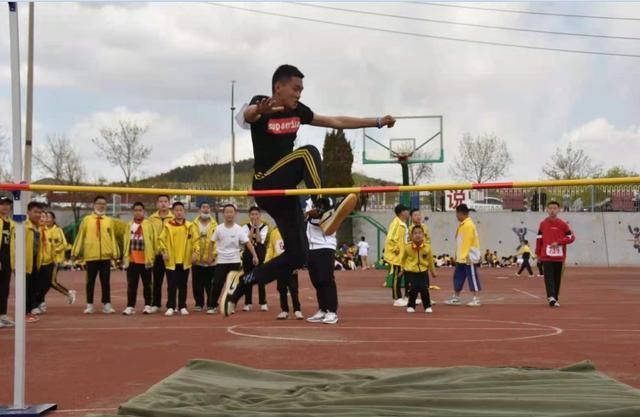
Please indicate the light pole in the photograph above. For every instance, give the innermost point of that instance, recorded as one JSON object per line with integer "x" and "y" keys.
{"x": 233, "y": 137}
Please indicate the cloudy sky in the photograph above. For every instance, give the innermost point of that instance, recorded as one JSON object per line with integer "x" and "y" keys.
{"x": 170, "y": 66}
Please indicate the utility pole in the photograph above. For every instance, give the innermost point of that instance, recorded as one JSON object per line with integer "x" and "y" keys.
{"x": 233, "y": 137}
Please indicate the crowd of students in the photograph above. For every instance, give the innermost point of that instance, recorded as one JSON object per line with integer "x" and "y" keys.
{"x": 409, "y": 255}
{"x": 164, "y": 244}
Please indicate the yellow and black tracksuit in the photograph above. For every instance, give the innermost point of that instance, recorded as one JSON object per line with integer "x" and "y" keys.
{"x": 288, "y": 284}
{"x": 159, "y": 269}
{"x": 54, "y": 244}
{"x": 202, "y": 270}
{"x": 7, "y": 247}
{"x": 417, "y": 260}
{"x": 255, "y": 237}
{"x": 393, "y": 247}
{"x": 139, "y": 254}
{"x": 179, "y": 241}
{"x": 33, "y": 258}
{"x": 96, "y": 244}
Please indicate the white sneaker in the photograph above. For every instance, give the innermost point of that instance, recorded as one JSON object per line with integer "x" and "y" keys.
{"x": 89, "y": 310}
{"x": 5, "y": 321}
{"x": 36, "y": 311}
{"x": 552, "y": 301}
{"x": 247, "y": 308}
{"x": 474, "y": 303}
{"x": 128, "y": 311}
{"x": 282, "y": 316}
{"x": 154, "y": 309}
{"x": 411, "y": 310}
{"x": 453, "y": 301}
{"x": 147, "y": 310}
{"x": 298, "y": 315}
{"x": 317, "y": 318}
{"x": 428, "y": 310}
{"x": 197, "y": 309}
{"x": 212, "y": 311}
{"x": 169, "y": 312}
{"x": 400, "y": 302}
{"x": 72, "y": 296}
{"x": 330, "y": 318}
{"x": 264, "y": 307}
{"x": 43, "y": 307}
{"x": 107, "y": 309}
{"x": 184, "y": 311}
{"x": 557, "y": 304}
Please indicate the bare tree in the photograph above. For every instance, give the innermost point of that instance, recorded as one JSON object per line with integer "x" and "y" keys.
{"x": 122, "y": 147}
{"x": 60, "y": 160}
{"x": 421, "y": 171}
{"x": 570, "y": 163}
{"x": 481, "y": 159}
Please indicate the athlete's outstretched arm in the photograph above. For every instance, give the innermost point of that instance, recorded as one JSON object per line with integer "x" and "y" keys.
{"x": 344, "y": 122}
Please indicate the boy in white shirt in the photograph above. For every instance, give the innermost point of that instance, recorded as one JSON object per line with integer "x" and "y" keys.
{"x": 322, "y": 250}
{"x": 229, "y": 239}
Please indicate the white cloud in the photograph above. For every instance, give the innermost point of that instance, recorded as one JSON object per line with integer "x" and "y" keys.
{"x": 607, "y": 143}
{"x": 171, "y": 65}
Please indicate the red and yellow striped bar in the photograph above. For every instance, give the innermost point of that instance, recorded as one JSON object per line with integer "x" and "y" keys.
{"x": 325, "y": 191}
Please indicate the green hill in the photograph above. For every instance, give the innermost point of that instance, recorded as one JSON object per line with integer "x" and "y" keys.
{"x": 216, "y": 176}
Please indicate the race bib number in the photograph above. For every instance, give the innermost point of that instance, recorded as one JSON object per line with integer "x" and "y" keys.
{"x": 554, "y": 252}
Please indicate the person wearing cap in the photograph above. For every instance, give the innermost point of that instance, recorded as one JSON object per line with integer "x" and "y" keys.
{"x": 7, "y": 247}
{"x": 397, "y": 236}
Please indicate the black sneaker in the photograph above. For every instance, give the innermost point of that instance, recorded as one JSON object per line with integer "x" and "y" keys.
{"x": 552, "y": 301}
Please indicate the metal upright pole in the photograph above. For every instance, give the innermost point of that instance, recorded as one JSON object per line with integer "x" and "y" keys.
{"x": 18, "y": 214}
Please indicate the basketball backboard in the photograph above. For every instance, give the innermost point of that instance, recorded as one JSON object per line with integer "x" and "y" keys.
{"x": 414, "y": 138}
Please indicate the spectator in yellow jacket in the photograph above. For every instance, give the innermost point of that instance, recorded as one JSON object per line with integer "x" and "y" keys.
{"x": 96, "y": 244}
{"x": 417, "y": 262}
{"x": 468, "y": 256}
{"x": 159, "y": 219}
{"x": 179, "y": 245}
{"x": 7, "y": 247}
{"x": 203, "y": 271}
{"x": 285, "y": 284}
{"x": 397, "y": 236}
{"x": 54, "y": 245}
{"x": 33, "y": 260}
{"x": 138, "y": 256}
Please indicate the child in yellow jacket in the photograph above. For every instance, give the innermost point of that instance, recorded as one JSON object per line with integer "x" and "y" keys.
{"x": 179, "y": 245}
{"x": 285, "y": 284}
{"x": 7, "y": 247}
{"x": 417, "y": 262}
{"x": 54, "y": 245}
{"x": 397, "y": 236}
{"x": 96, "y": 244}
{"x": 138, "y": 258}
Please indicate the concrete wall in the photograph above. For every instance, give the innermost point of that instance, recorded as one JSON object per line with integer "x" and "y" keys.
{"x": 602, "y": 239}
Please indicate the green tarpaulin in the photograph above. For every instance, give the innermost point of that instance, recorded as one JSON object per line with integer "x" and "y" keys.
{"x": 210, "y": 389}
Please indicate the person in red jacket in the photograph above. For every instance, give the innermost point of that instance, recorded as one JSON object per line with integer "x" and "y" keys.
{"x": 554, "y": 235}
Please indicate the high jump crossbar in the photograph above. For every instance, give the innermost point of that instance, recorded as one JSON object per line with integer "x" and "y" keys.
{"x": 314, "y": 191}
